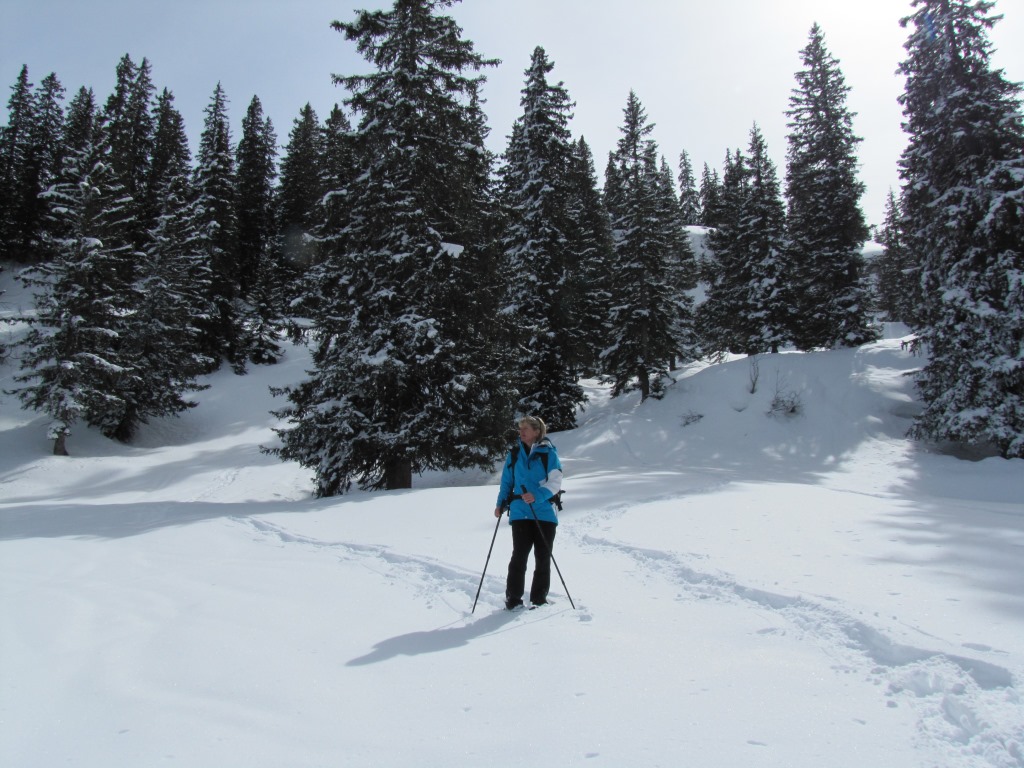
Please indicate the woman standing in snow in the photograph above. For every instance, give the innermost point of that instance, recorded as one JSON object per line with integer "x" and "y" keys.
{"x": 530, "y": 482}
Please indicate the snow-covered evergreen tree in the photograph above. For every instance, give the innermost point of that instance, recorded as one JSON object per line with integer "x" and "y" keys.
{"x": 825, "y": 225}
{"x": 689, "y": 194}
{"x": 590, "y": 243}
{"x": 710, "y": 197}
{"x": 963, "y": 208}
{"x": 29, "y": 160}
{"x": 177, "y": 259}
{"x": 405, "y": 376}
{"x": 302, "y": 189}
{"x": 14, "y": 151}
{"x": 169, "y": 155}
{"x": 339, "y": 169}
{"x": 258, "y": 302}
{"x": 255, "y": 173}
{"x": 647, "y": 308}
{"x": 897, "y": 276}
{"x": 173, "y": 288}
{"x": 540, "y": 264}
{"x": 214, "y": 182}
{"x": 74, "y": 365}
{"x": 79, "y": 127}
{"x": 748, "y": 309}
{"x": 43, "y": 165}
{"x": 129, "y": 122}
{"x": 683, "y": 269}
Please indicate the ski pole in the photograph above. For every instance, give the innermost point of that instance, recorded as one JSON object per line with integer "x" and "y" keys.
{"x": 550, "y": 550}
{"x": 487, "y": 561}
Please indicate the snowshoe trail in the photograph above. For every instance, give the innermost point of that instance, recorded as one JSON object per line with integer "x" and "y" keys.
{"x": 960, "y": 701}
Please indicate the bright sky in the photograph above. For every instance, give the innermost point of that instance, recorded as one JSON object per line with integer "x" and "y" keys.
{"x": 705, "y": 72}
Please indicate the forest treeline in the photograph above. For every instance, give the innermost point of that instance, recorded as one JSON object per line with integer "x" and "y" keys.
{"x": 443, "y": 289}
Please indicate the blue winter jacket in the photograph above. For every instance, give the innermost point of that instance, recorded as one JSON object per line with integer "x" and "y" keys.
{"x": 529, "y": 471}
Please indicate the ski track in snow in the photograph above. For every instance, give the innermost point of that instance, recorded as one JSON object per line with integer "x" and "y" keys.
{"x": 957, "y": 700}
{"x": 431, "y": 579}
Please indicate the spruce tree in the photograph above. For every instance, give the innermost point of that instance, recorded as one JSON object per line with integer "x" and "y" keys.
{"x": 963, "y": 210}
{"x": 79, "y": 125}
{"x": 689, "y": 195}
{"x": 683, "y": 269}
{"x": 722, "y": 251}
{"x": 748, "y": 308}
{"x": 169, "y": 154}
{"x": 255, "y": 213}
{"x": 539, "y": 258}
{"x": 710, "y": 197}
{"x": 897, "y": 275}
{"x": 177, "y": 274}
{"x": 825, "y": 225}
{"x": 646, "y": 308}
{"x": 15, "y": 167}
{"x": 42, "y": 167}
{"x": 74, "y": 362}
{"x": 405, "y": 378}
{"x": 129, "y": 130}
{"x": 337, "y": 172}
{"x": 302, "y": 189}
{"x": 214, "y": 183}
{"x": 590, "y": 243}
{"x": 173, "y": 286}
{"x": 319, "y": 220}
{"x": 14, "y": 139}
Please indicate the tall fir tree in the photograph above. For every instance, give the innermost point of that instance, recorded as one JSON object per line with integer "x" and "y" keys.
{"x": 302, "y": 189}
{"x": 683, "y": 269}
{"x": 214, "y": 182}
{"x": 689, "y": 194}
{"x": 255, "y": 214}
{"x": 748, "y": 308}
{"x": 169, "y": 155}
{"x": 591, "y": 246}
{"x": 405, "y": 378}
{"x": 539, "y": 258}
{"x": 319, "y": 220}
{"x": 646, "y": 308}
{"x": 963, "y": 209}
{"x": 129, "y": 129}
{"x": 74, "y": 361}
{"x": 260, "y": 291}
{"x": 21, "y": 158}
{"x": 825, "y": 225}
{"x": 41, "y": 171}
{"x": 14, "y": 150}
{"x": 176, "y": 275}
{"x": 338, "y": 171}
{"x": 710, "y": 197}
{"x": 721, "y": 252}
{"x": 79, "y": 125}
{"x": 897, "y": 275}
{"x": 163, "y": 346}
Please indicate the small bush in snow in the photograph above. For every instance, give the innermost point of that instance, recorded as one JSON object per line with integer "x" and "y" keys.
{"x": 691, "y": 417}
{"x": 785, "y": 402}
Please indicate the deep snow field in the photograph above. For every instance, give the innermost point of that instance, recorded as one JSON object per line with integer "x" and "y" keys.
{"x": 798, "y": 591}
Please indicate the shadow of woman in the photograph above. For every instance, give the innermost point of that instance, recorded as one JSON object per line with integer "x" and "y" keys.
{"x": 435, "y": 640}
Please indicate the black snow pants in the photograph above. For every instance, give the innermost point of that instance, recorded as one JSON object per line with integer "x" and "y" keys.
{"x": 526, "y": 536}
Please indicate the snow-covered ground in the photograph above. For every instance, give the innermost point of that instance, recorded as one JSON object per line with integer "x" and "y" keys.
{"x": 807, "y": 590}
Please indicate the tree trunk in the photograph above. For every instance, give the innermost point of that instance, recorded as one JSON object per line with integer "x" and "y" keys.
{"x": 398, "y": 475}
{"x": 645, "y": 384}
{"x": 59, "y": 444}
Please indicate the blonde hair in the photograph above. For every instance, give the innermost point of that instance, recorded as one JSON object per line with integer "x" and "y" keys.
{"x": 537, "y": 423}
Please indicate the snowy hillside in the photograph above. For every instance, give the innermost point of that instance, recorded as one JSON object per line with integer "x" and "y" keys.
{"x": 795, "y": 587}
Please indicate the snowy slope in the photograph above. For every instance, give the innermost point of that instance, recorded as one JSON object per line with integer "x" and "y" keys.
{"x": 751, "y": 589}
